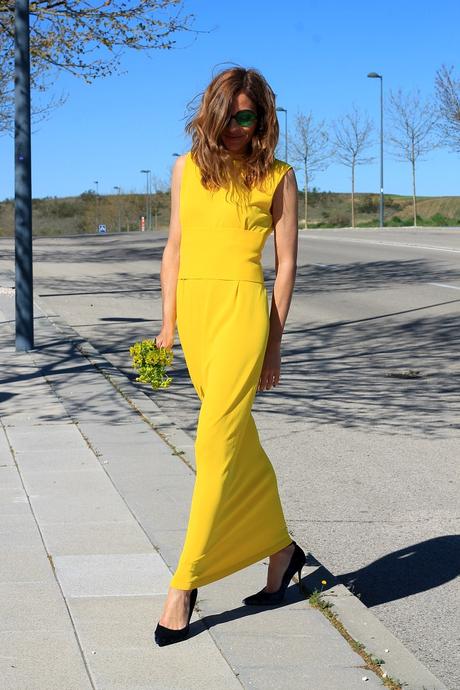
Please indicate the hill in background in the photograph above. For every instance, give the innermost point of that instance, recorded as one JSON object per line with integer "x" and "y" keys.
{"x": 83, "y": 214}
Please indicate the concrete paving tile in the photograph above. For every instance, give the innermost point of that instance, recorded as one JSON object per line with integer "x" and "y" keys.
{"x": 56, "y": 460}
{"x": 60, "y": 436}
{"x": 67, "y": 482}
{"x": 6, "y": 457}
{"x": 109, "y": 416}
{"x": 13, "y": 502}
{"x": 39, "y": 419}
{"x": 63, "y": 539}
{"x": 25, "y": 563}
{"x": 149, "y": 478}
{"x": 25, "y": 379}
{"x": 92, "y": 506}
{"x": 324, "y": 676}
{"x": 193, "y": 665}
{"x": 112, "y": 574}
{"x": 33, "y": 660}
{"x": 119, "y": 630}
{"x": 33, "y": 408}
{"x": 32, "y": 606}
{"x": 142, "y": 458}
{"x": 152, "y": 508}
{"x": 131, "y": 432}
{"x": 169, "y": 542}
{"x": 18, "y": 530}
{"x": 10, "y": 479}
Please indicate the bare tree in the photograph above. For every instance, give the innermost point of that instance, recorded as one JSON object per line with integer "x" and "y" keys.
{"x": 352, "y": 137}
{"x": 86, "y": 39}
{"x": 413, "y": 131}
{"x": 68, "y": 34}
{"x": 6, "y": 102}
{"x": 310, "y": 147}
{"x": 40, "y": 111}
{"x": 448, "y": 94}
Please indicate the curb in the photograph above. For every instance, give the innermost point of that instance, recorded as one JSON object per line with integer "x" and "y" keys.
{"x": 363, "y": 626}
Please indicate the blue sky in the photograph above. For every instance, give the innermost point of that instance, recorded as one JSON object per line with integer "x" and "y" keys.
{"x": 314, "y": 53}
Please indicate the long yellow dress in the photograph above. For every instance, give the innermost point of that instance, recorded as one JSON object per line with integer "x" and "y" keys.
{"x": 236, "y": 517}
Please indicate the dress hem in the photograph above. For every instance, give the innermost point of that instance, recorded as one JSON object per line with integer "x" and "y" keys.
{"x": 201, "y": 581}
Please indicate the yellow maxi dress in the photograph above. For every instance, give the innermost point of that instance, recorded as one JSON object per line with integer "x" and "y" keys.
{"x": 236, "y": 517}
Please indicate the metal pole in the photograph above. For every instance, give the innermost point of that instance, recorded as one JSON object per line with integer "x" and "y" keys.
{"x": 147, "y": 187}
{"x": 98, "y": 220}
{"x": 150, "y": 200}
{"x": 147, "y": 213}
{"x": 119, "y": 207}
{"x": 374, "y": 75}
{"x": 284, "y": 110}
{"x": 381, "y": 155}
{"x": 23, "y": 183}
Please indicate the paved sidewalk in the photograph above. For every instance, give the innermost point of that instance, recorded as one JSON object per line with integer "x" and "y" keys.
{"x": 95, "y": 488}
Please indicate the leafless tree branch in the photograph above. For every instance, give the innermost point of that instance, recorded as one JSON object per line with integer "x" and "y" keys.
{"x": 352, "y": 137}
{"x": 413, "y": 130}
{"x": 310, "y": 147}
{"x": 448, "y": 94}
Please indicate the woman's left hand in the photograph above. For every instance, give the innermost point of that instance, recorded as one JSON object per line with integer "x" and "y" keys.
{"x": 270, "y": 374}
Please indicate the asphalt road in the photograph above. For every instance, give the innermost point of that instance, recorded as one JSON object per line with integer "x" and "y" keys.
{"x": 365, "y": 457}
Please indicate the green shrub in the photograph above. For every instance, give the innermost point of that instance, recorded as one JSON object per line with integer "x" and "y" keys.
{"x": 439, "y": 219}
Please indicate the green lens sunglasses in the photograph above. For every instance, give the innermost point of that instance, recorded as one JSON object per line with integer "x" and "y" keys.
{"x": 244, "y": 118}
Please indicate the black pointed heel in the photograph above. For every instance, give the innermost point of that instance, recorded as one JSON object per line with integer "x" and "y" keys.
{"x": 263, "y": 598}
{"x": 164, "y": 636}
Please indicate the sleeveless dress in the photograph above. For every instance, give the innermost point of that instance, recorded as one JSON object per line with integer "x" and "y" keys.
{"x": 222, "y": 317}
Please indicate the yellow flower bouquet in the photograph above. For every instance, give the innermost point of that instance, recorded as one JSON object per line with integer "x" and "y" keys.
{"x": 150, "y": 362}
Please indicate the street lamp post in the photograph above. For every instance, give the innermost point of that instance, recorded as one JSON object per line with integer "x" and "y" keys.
{"x": 98, "y": 220}
{"x": 374, "y": 75}
{"x": 119, "y": 207}
{"x": 147, "y": 198}
{"x": 283, "y": 110}
{"x": 24, "y": 307}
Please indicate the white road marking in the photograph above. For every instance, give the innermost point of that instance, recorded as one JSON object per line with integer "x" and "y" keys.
{"x": 388, "y": 244}
{"x": 444, "y": 285}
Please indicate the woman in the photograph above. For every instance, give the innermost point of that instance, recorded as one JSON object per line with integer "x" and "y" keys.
{"x": 227, "y": 194}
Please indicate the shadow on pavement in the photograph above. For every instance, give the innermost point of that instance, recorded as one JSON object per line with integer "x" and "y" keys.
{"x": 405, "y": 572}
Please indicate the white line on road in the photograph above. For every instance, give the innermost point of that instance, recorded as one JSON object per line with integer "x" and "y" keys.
{"x": 444, "y": 285}
{"x": 388, "y": 244}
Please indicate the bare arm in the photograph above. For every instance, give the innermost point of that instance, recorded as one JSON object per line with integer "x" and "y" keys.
{"x": 170, "y": 262}
{"x": 284, "y": 212}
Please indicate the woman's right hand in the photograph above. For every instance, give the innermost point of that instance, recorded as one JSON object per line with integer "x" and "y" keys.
{"x": 165, "y": 338}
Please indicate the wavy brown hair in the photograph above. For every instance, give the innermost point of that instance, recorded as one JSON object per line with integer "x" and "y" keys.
{"x": 210, "y": 118}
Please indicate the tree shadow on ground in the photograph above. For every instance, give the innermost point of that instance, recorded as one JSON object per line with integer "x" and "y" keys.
{"x": 100, "y": 248}
{"x": 342, "y": 373}
{"x": 369, "y": 275}
{"x": 346, "y": 374}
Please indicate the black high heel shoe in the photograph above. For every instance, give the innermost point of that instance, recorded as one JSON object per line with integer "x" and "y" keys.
{"x": 263, "y": 598}
{"x": 165, "y": 635}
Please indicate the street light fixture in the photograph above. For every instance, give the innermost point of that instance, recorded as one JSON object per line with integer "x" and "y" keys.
{"x": 283, "y": 110}
{"x": 374, "y": 75}
{"x": 147, "y": 203}
{"x": 119, "y": 207}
